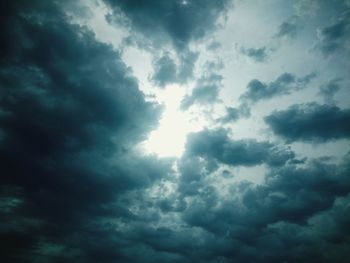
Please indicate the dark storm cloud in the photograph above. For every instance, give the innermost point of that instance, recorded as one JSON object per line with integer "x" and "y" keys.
{"x": 283, "y": 85}
{"x": 310, "y": 122}
{"x": 216, "y": 145}
{"x": 257, "y": 54}
{"x": 176, "y": 21}
{"x": 70, "y": 112}
{"x": 166, "y": 71}
{"x": 328, "y": 90}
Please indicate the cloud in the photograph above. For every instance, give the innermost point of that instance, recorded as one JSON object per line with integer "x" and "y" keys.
{"x": 71, "y": 112}
{"x": 216, "y": 145}
{"x": 234, "y": 114}
{"x": 207, "y": 87}
{"x": 74, "y": 188}
{"x": 287, "y": 29}
{"x": 334, "y": 38}
{"x": 178, "y": 22}
{"x": 167, "y": 71}
{"x": 283, "y": 85}
{"x": 257, "y": 54}
{"x": 213, "y": 46}
{"x": 310, "y": 122}
{"x": 270, "y": 222}
{"x": 328, "y": 90}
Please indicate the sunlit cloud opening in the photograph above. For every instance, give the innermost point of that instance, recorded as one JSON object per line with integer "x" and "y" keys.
{"x": 170, "y": 137}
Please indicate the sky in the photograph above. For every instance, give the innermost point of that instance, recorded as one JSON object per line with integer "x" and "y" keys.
{"x": 175, "y": 131}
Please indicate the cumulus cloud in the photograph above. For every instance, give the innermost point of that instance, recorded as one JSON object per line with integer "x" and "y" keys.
{"x": 310, "y": 122}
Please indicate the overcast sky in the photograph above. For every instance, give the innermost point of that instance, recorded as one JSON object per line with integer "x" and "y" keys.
{"x": 175, "y": 131}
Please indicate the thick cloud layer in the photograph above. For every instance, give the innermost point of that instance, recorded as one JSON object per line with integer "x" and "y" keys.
{"x": 307, "y": 122}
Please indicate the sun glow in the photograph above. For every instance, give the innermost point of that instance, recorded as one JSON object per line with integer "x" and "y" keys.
{"x": 170, "y": 137}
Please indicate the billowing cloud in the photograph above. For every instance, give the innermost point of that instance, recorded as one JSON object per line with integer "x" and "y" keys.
{"x": 310, "y": 122}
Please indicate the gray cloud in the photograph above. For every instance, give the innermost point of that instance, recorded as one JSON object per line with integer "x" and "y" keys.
{"x": 287, "y": 29}
{"x": 213, "y": 46}
{"x": 334, "y": 38}
{"x": 217, "y": 145}
{"x": 234, "y": 114}
{"x": 207, "y": 87}
{"x": 283, "y": 85}
{"x": 328, "y": 90}
{"x": 70, "y": 115}
{"x": 310, "y": 122}
{"x": 166, "y": 71}
{"x": 270, "y": 222}
{"x": 257, "y": 54}
{"x": 176, "y": 21}
{"x": 74, "y": 189}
